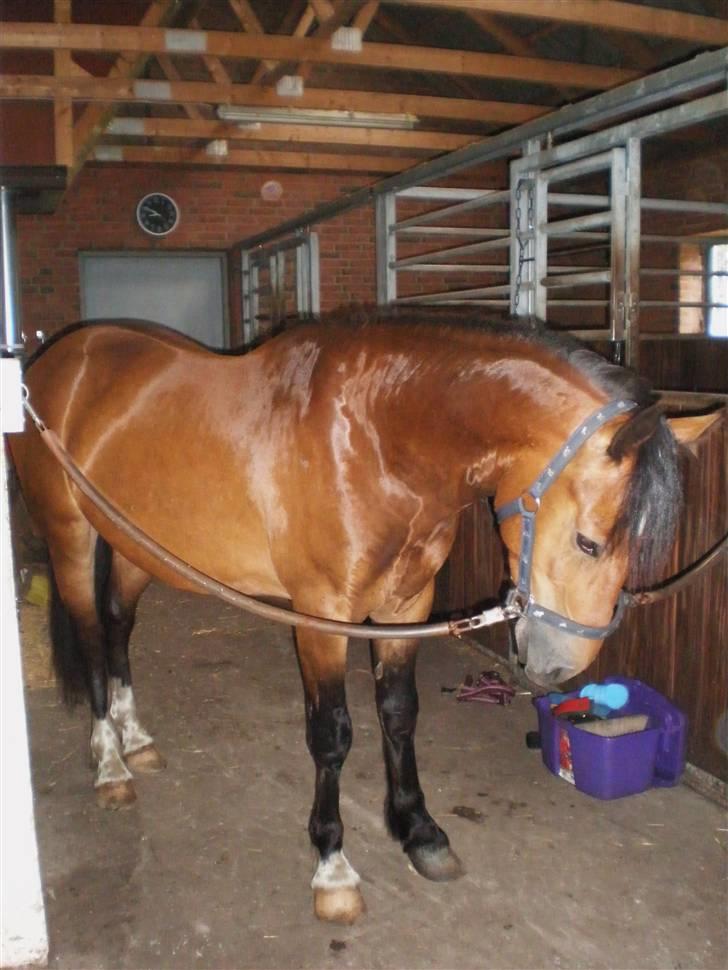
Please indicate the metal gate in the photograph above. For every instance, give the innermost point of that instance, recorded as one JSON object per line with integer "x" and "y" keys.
{"x": 279, "y": 280}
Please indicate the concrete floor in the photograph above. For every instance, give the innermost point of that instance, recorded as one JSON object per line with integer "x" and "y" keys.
{"x": 211, "y": 867}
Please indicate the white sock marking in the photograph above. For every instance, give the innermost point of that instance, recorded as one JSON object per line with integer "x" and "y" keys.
{"x": 106, "y": 750}
{"x": 122, "y": 711}
{"x": 335, "y": 873}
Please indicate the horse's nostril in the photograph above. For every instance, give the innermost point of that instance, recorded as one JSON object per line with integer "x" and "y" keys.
{"x": 559, "y": 674}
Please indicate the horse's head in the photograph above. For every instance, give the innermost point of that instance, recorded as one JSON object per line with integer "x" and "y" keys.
{"x": 602, "y": 516}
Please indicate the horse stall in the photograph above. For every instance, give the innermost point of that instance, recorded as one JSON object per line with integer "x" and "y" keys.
{"x": 429, "y": 342}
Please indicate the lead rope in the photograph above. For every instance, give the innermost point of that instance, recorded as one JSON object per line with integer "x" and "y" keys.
{"x": 202, "y": 581}
{"x": 407, "y": 631}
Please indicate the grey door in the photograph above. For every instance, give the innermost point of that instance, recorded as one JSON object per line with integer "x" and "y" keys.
{"x": 185, "y": 291}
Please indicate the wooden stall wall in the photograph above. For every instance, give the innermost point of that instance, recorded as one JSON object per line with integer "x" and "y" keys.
{"x": 678, "y": 646}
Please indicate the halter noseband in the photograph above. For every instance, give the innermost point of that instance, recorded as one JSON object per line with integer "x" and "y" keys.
{"x": 519, "y": 601}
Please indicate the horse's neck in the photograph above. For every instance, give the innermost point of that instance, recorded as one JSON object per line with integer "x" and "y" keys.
{"x": 491, "y": 401}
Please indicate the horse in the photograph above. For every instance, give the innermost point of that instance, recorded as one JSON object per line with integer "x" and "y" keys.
{"x": 328, "y": 467}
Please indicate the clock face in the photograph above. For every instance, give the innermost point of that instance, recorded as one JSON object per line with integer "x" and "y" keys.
{"x": 157, "y": 214}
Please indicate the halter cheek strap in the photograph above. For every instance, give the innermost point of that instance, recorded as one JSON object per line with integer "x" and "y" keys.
{"x": 520, "y": 601}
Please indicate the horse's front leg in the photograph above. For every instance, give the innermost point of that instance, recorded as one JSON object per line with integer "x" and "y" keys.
{"x": 393, "y": 662}
{"x": 328, "y": 733}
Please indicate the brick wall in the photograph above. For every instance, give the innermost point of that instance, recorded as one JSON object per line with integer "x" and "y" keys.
{"x": 218, "y": 208}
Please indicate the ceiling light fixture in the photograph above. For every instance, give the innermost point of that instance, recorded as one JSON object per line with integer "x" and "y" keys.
{"x": 301, "y": 116}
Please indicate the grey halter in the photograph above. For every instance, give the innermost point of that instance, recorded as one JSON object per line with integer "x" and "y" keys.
{"x": 519, "y": 601}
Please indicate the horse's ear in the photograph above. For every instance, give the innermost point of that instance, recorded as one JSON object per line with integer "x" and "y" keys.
{"x": 690, "y": 429}
{"x": 632, "y": 433}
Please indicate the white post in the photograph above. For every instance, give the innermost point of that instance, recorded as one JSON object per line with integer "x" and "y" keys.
{"x": 23, "y": 934}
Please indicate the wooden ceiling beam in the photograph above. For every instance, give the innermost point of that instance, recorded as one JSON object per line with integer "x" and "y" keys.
{"x": 90, "y": 126}
{"x": 169, "y": 70}
{"x": 330, "y": 18}
{"x": 300, "y": 30}
{"x": 304, "y": 161}
{"x": 366, "y": 14}
{"x": 638, "y": 18}
{"x": 307, "y": 134}
{"x": 154, "y": 40}
{"x": 248, "y": 20}
{"x": 62, "y": 106}
{"x": 46, "y": 87}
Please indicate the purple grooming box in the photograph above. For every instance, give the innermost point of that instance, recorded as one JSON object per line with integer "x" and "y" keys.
{"x": 615, "y": 767}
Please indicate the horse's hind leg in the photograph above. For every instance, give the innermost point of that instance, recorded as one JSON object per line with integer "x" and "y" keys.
{"x": 125, "y": 585}
{"x": 393, "y": 662}
{"x": 79, "y": 645}
{"x": 328, "y": 733}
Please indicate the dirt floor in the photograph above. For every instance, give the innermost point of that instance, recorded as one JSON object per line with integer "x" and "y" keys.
{"x": 211, "y": 867}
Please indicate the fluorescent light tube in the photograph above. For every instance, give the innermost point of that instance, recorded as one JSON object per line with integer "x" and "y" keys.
{"x": 302, "y": 116}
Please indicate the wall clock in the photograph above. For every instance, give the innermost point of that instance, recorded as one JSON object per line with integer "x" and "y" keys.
{"x": 157, "y": 214}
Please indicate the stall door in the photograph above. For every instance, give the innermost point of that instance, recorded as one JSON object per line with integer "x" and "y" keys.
{"x": 185, "y": 291}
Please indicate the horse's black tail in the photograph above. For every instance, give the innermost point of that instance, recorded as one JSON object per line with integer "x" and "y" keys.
{"x": 69, "y": 661}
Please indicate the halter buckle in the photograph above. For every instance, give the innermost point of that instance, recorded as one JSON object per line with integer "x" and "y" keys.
{"x": 515, "y": 604}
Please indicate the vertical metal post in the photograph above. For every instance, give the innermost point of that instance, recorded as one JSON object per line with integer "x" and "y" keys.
{"x": 633, "y": 235}
{"x": 537, "y": 293}
{"x": 523, "y": 226}
{"x": 386, "y": 246}
{"x": 303, "y": 284}
{"x": 314, "y": 275}
{"x": 308, "y": 298}
{"x": 246, "y": 287}
{"x": 11, "y": 341}
{"x": 618, "y": 241}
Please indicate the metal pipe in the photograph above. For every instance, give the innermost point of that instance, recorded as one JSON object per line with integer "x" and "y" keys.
{"x": 503, "y": 241}
{"x": 479, "y": 202}
{"x": 578, "y": 279}
{"x": 457, "y": 294}
{"x": 425, "y": 231}
{"x": 562, "y": 226}
{"x": 457, "y": 268}
{"x": 11, "y": 341}
{"x": 439, "y": 193}
{"x": 659, "y": 205}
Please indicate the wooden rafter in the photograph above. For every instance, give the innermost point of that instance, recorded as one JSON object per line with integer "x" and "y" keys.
{"x": 172, "y": 74}
{"x": 435, "y": 141}
{"x": 304, "y": 161}
{"x": 330, "y": 18}
{"x": 21, "y": 86}
{"x": 511, "y": 42}
{"x": 366, "y": 14}
{"x": 154, "y": 40}
{"x": 62, "y": 106}
{"x": 248, "y": 20}
{"x": 90, "y": 126}
{"x": 300, "y": 30}
{"x": 636, "y": 18}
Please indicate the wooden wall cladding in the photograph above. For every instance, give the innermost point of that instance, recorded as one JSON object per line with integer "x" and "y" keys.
{"x": 680, "y": 645}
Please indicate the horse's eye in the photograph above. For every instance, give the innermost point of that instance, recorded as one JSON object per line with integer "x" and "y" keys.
{"x": 588, "y": 546}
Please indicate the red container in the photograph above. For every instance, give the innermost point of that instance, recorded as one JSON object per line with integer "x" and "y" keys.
{"x": 614, "y": 767}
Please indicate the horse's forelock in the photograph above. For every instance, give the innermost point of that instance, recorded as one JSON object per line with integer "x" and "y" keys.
{"x": 650, "y": 510}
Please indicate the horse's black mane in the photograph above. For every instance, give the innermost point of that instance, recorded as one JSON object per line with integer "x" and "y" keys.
{"x": 651, "y": 507}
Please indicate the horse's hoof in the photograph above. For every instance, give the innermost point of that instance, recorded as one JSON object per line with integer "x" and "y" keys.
{"x": 342, "y": 905}
{"x": 439, "y": 865}
{"x": 146, "y": 760}
{"x": 115, "y": 795}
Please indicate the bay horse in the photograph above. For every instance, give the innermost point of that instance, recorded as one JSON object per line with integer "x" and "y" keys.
{"x": 328, "y": 467}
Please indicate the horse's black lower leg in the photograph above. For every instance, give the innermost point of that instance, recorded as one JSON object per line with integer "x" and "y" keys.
{"x": 118, "y": 609}
{"x": 406, "y": 814}
{"x": 328, "y": 735}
